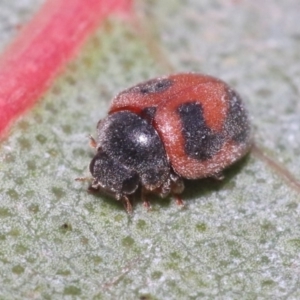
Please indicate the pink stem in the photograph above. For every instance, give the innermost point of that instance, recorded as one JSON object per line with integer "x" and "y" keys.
{"x": 43, "y": 48}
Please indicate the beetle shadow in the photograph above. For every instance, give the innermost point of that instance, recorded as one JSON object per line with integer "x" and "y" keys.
{"x": 195, "y": 189}
{"x": 118, "y": 205}
{"x": 199, "y": 188}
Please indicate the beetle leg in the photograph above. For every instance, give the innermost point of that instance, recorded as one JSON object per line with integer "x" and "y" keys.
{"x": 147, "y": 205}
{"x": 93, "y": 142}
{"x": 92, "y": 189}
{"x": 177, "y": 184}
{"x": 127, "y": 204}
{"x": 178, "y": 200}
{"x": 146, "y": 202}
{"x": 177, "y": 187}
{"x": 218, "y": 176}
{"x": 84, "y": 179}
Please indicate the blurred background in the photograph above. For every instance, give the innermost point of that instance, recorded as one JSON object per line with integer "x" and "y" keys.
{"x": 239, "y": 238}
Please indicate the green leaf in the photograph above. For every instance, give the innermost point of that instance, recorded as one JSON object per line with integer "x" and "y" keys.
{"x": 239, "y": 238}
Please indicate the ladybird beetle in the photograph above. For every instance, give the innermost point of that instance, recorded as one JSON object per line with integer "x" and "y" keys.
{"x": 164, "y": 130}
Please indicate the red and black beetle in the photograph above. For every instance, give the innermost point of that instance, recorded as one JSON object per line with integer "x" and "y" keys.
{"x": 159, "y": 132}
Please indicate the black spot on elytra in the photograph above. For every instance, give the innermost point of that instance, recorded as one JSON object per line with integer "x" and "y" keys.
{"x": 153, "y": 86}
{"x": 237, "y": 123}
{"x": 200, "y": 142}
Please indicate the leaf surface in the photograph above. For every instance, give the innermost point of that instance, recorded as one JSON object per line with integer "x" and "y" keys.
{"x": 235, "y": 238}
